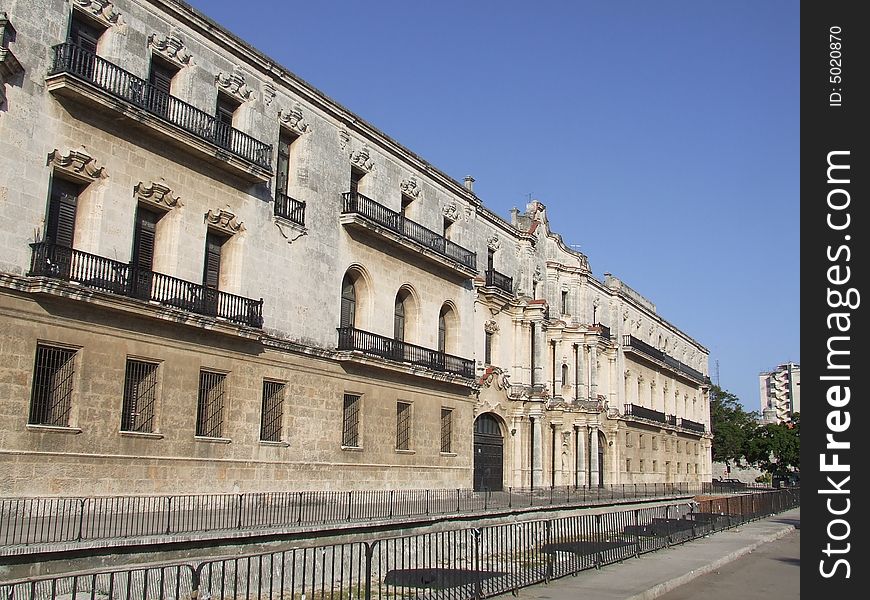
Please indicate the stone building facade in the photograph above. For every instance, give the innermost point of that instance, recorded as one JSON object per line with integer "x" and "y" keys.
{"x": 214, "y": 278}
{"x": 780, "y": 393}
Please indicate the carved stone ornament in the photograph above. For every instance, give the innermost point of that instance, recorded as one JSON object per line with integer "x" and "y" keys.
{"x": 269, "y": 93}
{"x": 157, "y": 194}
{"x": 294, "y": 119}
{"x": 290, "y": 231}
{"x": 343, "y": 139}
{"x": 597, "y": 302}
{"x": 77, "y": 163}
{"x": 103, "y": 10}
{"x": 411, "y": 188}
{"x": 538, "y": 274}
{"x": 171, "y": 47}
{"x": 225, "y": 220}
{"x": 493, "y": 243}
{"x": 627, "y": 373}
{"x": 362, "y": 159}
{"x": 234, "y": 84}
{"x": 497, "y": 376}
{"x": 450, "y": 211}
{"x": 490, "y": 327}
{"x": 625, "y": 316}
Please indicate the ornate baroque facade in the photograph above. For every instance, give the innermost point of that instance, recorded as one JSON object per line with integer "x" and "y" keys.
{"x": 214, "y": 278}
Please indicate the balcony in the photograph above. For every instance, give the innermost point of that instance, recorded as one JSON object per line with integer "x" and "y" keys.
{"x": 499, "y": 281}
{"x": 693, "y": 426}
{"x": 79, "y": 74}
{"x": 646, "y": 414}
{"x": 603, "y": 330}
{"x": 290, "y": 209}
{"x": 630, "y": 342}
{"x": 366, "y": 214}
{"x": 104, "y": 274}
{"x": 395, "y": 350}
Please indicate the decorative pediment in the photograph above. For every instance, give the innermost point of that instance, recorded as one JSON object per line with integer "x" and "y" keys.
{"x": 171, "y": 47}
{"x": 493, "y": 243}
{"x": 234, "y": 84}
{"x": 411, "y": 188}
{"x": 294, "y": 119}
{"x": 101, "y": 10}
{"x": 490, "y": 327}
{"x": 224, "y": 220}
{"x": 77, "y": 163}
{"x": 156, "y": 194}
{"x": 362, "y": 159}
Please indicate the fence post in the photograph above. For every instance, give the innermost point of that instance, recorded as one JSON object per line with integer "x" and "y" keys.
{"x": 195, "y": 582}
{"x": 299, "y": 503}
{"x": 349, "y": 503}
{"x": 510, "y": 497}
{"x": 168, "y": 515}
{"x": 668, "y": 525}
{"x": 81, "y": 517}
{"x": 427, "y": 500}
{"x": 598, "y": 541}
{"x": 391, "y": 503}
{"x": 548, "y": 574}
{"x": 241, "y": 508}
{"x": 370, "y": 550}
{"x": 636, "y": 533}
{"x": 457, "y": 500}
{"x": 478, "y": 588}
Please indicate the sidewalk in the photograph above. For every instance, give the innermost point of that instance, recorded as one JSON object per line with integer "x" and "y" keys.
{"x": 656, "y": 573}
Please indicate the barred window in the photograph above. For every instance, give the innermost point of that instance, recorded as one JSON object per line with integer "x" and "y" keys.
{"x": 51, "y": 395}
{"x": 642, "y": 441}
{"x": 210, "y": 408}
{"x": 628, "y": 465}
{"x": 403, "y": 426}
{"x": 140, "y": 395}
{"x": 350, "y": 430}
{"x": 273, "y": 411}
{"x": 446, "y": 430}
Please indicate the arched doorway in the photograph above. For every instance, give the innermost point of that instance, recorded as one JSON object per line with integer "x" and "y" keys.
{"x": 602, "y": 444}
{"x": 488, "y": 454}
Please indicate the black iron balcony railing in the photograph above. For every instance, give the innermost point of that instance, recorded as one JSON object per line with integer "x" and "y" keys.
{"x": 69, "y": 58}
{"x": 643, "y": 412}
{"x": 384, "y": 347}
{"x": 672, "y": 420}
{"x": 291, "y": 209}
{"x": 641, "y": 346}
{"x": 693, "y": 426}
{"x": 500, "y": 281}
{"x": 383, "y": 216}
{"x": 90, "y": 270}
{"x": 603, "y": 330}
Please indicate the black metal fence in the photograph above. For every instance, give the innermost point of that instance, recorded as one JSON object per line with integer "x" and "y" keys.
{"x": 500, "y": 281}
{"x": 455, "y": 564}
{"x": 126, "y": 279}
{"x": 350, "y": 338}
{"x": 383, "y": 216}
{"x": 25, "y": 521}
{"x": 289, "y": 208}
{"x": 629, "y": 341}
{"x": 643, "y": 412}
{"x": 69, "y": 58}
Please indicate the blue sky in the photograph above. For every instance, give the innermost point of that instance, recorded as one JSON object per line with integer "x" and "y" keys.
{"x": 663, "y": 137}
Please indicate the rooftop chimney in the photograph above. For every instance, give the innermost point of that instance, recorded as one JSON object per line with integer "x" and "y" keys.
{"x": 469, "y": 183}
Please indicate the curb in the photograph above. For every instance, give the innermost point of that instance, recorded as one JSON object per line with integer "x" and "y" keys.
{"x": 667, "y": 586}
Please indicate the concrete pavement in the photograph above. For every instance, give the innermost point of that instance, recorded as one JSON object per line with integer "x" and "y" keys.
{"x": 657, "y": 573}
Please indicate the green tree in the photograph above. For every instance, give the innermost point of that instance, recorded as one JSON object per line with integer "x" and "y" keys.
{"x": 732, "y": 427}
{"x": 776, "y": 447}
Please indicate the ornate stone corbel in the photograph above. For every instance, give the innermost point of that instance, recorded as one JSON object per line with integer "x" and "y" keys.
{"x": 77, "y": 163}
{"x": 102, "y": 10}
{"x": 362, "y": 159}
{"x": 269, "y": 93}
{"x": 294, "y": 119}
{"x": 171, "y": 47}
{"x": 451, "y": 211}
{"x": 156, "y": 194}
{"x": 234, "y": 84}
{"x": 493, "y": 243}
{"x": 411, "y": 188}
{"x": 290, "y": 231}
{"x": 490, "y": 327}
{"x": 224, "y": 220}
{"x": 343, "y": 139}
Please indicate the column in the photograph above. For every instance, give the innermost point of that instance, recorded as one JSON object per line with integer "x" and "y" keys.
{"x": 516, "y": 440}
{"x": 593, "y": 456}
{"x": 537, "y": 446}
{"x": 580, "y": 373}
{"x": 580, "y": 459}
{"x": 593, "y": 370}
{"x": 611, "y": 388}
{"x": 539, "y": 354}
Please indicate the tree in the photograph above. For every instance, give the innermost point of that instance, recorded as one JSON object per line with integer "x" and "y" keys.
{"x": 776, "y": 447}
{"x": 732, "y": 427}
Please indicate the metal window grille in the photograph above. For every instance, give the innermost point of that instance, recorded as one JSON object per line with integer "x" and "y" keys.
{"x": 51, "y": 396}
{"x": 446, "y": 430}
{"x": 140, "y": 394}
{"x": 403, "y": 426}
{"x": 350, "y": 430}
{"x": 273, "y": 411}
{"x": 210, "y": 407}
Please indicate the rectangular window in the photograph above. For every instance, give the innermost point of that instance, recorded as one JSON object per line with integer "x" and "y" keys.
{"x": 282, "y": 174}
{"x": 628, "y": 442}
{"x": 641, "y": 465}
{"x": 350, "y": 429}
{"x": 564, "y": 302}
{"x": 212, "y": 265}
{"x": 273, "y": 411}
{"x": 655, "y": 466}
{"x": 160, "y": 77}
{"x": 61, "y": 222}
{"x": 487, "y": 348}
{"x": 628, "y": 465}
{"x": 84, "y": 34}
{"x": 655, "y": 443}
{"x": 642, "y": 441}
{"x": 446, "y": 430}
{"x": 679, "y": 447}
{"x": 210, "y": 407}
{"x": 403, "y": 426}
{"x": 355, "y": 178}
{"x": 140, "y": 396}
{"x": 447, "y": 226}
{"x": 225, "y": 113}
{"x": 51, "y": 394}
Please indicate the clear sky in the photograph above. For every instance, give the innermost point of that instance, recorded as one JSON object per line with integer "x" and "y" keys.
{"x": 663, "y": 137}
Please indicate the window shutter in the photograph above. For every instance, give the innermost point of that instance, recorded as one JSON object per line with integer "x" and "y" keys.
{"x": 348, "y": 303}
{"x": 399, "y": 321}
{"x": 211, "y": 274}
{"x": 442, "y": 334}
{"x": 143, "y": 244}
{"x": 282, "y": 176}
{"x": 62, "y": 213}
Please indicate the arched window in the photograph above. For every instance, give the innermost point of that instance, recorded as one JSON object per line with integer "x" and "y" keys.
{"x": 442, "y": 329}
{"x": 399, "y": 316}
{"x": 348, "y": 302}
